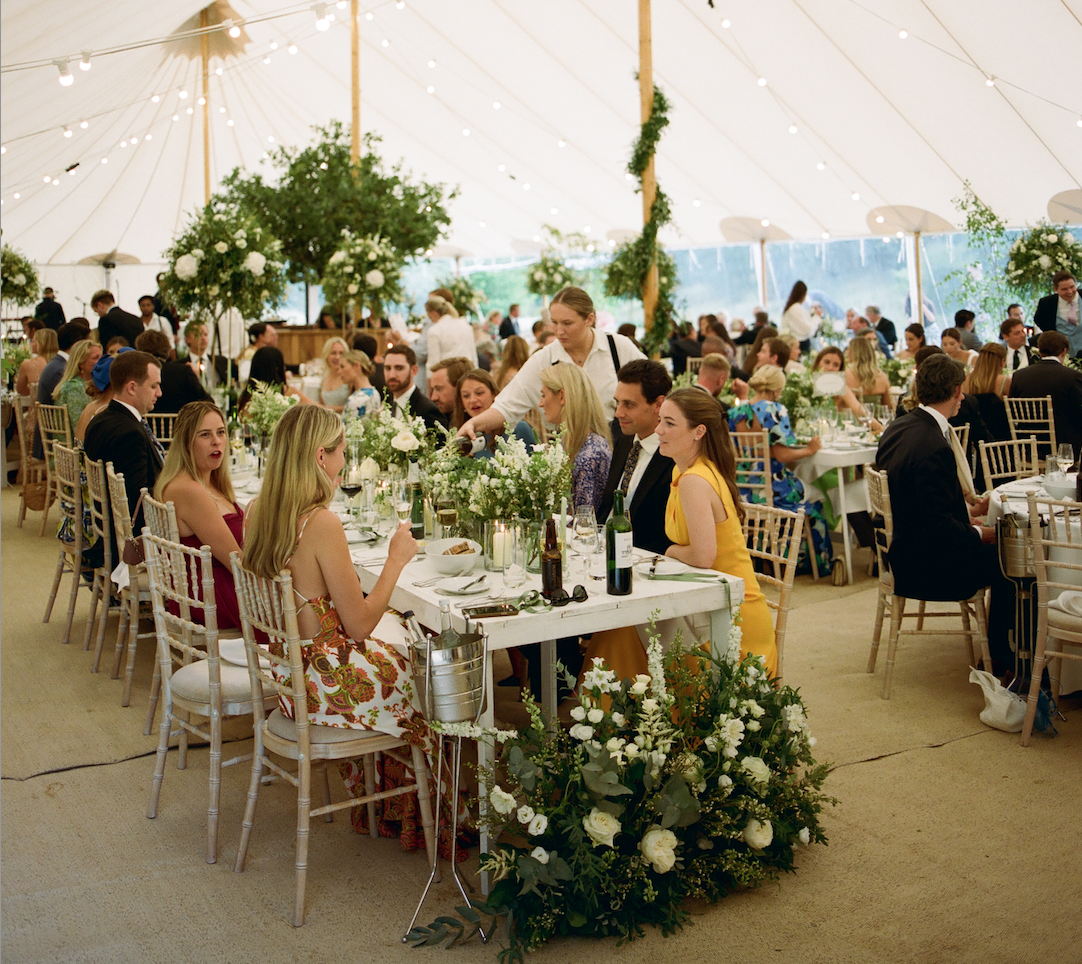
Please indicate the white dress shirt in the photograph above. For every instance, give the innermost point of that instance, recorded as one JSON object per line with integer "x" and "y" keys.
{"x": 1023, "y": 359}
{"x": 649, "y": 447}
{"x": 450, "y": 337}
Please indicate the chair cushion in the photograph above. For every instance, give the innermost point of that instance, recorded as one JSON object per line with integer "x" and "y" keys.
{"x": 282, "y": 726}
{"x": 192, "y": 682}
{"x": 1063, "y": 622}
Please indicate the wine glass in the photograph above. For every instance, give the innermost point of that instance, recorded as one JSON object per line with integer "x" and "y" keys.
{"x": 1065, "y": 454}
{"x": 351, "y": 486}
{"x": 236, "y": 445}
{"x": 446, "y": 516}
{"x": 402, "y": 498}
{"x": 584, "y": 537}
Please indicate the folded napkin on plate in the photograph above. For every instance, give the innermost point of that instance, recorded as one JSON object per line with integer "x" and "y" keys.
{"x": 368, "y": 557}
{"x": 1069, "y": 601}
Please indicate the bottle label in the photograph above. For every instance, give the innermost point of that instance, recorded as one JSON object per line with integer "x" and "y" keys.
{"x": 623, "y": 546}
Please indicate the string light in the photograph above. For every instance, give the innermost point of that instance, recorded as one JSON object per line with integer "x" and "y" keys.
{"x": 501, "y": 167}
{"x": 322, "y": 23}
{"x": 820, "y": 166}
{"x": 219, "y": 71}
{"x": 201, "y": 101}
{"x": 554, "y": 211}
{"x": 183, "y": 95}
{"x": 765, "y": 222}
{"x": 229, "y": 123}
{"x": 84, "y": 63}
{"x": 792, "y": 128}
{"x": 465, "y": 132}
{"x": 762, "y": 81}
{"x": 561, "y": 143}
{"x": 67, "y": 132}
{"x": 496, "y": 105}
{"x": 401, "y": 4}
{"x": 432, "y": 63}
{"x": 586, "y": 230}
{"x": 156, "y": 99}
{"x": 902, "y": 34}
{"x": 190, "y": 110}
{"x": 84, "y": 124}
{"x": 66, "y": 79}
{"x": 368, "y": 16}
{"x": 385, "y": 42}
{"x": 105, "y": 160}
{"x": 826, "y": 235}
{"x": 990, "y": 81}
{"x": 274, "y": 45}
{"x": 176, "y": 117}
{"x": 526, "y": 186}
{"x": 696, "y": 203}
{"x": 16, "y": 195}
{"x": 726, "y": 24}
{"x": 879, "y": 219}
{"x": 234, "y": 31}
{"x": 3, "y": 149}
{"x": 482, "y": 224}
{"x": 431, "y": 89}
{"x": 292, "y": 49}
{"x": 856, "y": 196}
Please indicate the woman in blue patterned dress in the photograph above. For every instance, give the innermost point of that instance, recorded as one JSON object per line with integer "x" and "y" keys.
{"x": 764, "y": 411}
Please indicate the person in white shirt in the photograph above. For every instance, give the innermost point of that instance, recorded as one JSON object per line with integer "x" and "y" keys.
{"x": 153, "y": 322}
{"x": 795, "y": 320}
{"x": 448, "y": 335}
{"x": 577, "y": 342}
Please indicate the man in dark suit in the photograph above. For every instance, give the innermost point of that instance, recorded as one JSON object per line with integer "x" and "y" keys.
{"x": 399, "y": 370}
{"x": 939, "y": 552}
{"x": 50, "y": 311}
{"x": 1062, "y": 311}
{"x": 509, "y": 325}
{"x": 114, "y": 321}
{"x": 120, "y": 433}
{"x": 179, "y": 384}
{"x": 209, "y": 369}
{"x": 638, "y": 468}
{"x": 884, "y": 326}
{"x": 1013, "y": 333}
{"x": 1051, "y": 377}
{"x": 51, "y": 374}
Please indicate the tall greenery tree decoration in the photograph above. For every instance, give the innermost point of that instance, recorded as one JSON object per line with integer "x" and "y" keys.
{"x": 982, "y": 286}
{"x": 18, "y": 279}
{"x": 626, "y": 273}
{"x": 319, "y": 191}
{"x": 363, "y": 272}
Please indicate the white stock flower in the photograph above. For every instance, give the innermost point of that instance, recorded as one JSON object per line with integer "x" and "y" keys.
{"x": 538, "y": 825}
{"x": 758, "y": 835}
{"x": 405, "y": 441}
{"x": 255, "y": 262}
{"x": 525, "y": 813}
{"x": 659, "y": 848}
{"x": 221, "y": 247}
{"x": 756, "y": 769}
{"x": 540, "y": 854}
{"x": 186, "y": 267}
{"x": 374, "y": 278}
{"x": 502, "y": 801}
{"x": 595, "y": 715}
{"x": 601, "y": 827}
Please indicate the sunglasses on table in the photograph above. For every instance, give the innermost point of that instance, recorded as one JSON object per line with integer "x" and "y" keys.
{"x": 533, "y": 601}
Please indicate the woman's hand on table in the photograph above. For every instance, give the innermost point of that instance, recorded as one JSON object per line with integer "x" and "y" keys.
{"x": 402, "y": 547}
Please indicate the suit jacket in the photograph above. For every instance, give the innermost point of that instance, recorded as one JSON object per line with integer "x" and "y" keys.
{"x": 180, "y": 385}
{"x": 421, "y": 405}
{"x": 508, "y": 327}
{"x": 1048, "y": 377}
{"x": 647, "y": 508}
{"x": 1045, "y": 315}
{"x": 885, "y": 327}
{"x": 117, "y": 321}
{"x": 114, "y": 435}
{"x": 936, "y": 552}
{"x": 50, "y": 312}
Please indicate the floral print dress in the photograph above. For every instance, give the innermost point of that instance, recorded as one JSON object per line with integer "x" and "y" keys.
{"x": 590, "y": 471}
{"x": 788, "y": 489}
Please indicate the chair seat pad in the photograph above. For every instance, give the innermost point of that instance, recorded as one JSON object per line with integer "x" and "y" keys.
{"x": 283, "y": 727}
{"x": 192, "y": 682}
{"x": 1064, "y": 622}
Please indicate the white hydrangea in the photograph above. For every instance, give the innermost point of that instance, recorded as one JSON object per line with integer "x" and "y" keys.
{"x": 374, "y": 278}
{"x": 255, "y": 263}
{"x": 221, "y": 247}
{"x": 186, "y": 267}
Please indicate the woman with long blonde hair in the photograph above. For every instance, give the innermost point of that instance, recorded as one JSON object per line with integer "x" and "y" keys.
{"x": 569, "y": 399}
{"x": 44, "y": 346}
{"x": 70, "y": 391}
{"x": 989, "y": 384}
{"x": 333, "y": 390}
{"x": 863, "y": 375}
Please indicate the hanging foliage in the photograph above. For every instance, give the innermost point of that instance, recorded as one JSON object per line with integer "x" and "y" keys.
{"x": 982, "y": 287}
{"x": 18, "y": 279}
{"x": 552, "y": 272}
{"x": 626, "y": 274}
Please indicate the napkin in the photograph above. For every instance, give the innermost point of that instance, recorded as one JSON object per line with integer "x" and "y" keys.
{"x": 368, "y": 557}
{"x": 1069, "y": 601}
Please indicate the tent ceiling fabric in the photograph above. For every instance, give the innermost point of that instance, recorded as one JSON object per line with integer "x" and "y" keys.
{"x": 901, "y": 123}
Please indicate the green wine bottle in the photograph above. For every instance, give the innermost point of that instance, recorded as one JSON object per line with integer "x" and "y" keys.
{"x": 417, "y": 513}
{"x": 618, "y": 546}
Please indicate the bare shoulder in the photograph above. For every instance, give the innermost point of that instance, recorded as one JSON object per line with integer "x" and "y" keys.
{"x": 324, "y": 524}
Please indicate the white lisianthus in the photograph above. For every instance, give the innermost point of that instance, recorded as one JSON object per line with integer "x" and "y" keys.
{"x": 255, "y": 262}
{"x": 221, "y": 247}
{"x": 619, "y": 719}
{"x": 642, "y": 681}
{"x": 725, "y": 781}
{"x": 752, "y": 726}
{"x": 758, "y": 835}
{"x": 374, "y": 278}
{"x": 186, "y": 267}
{"x": 595, "y": 715}
{"x": 538, "y": 825}
{"x": 601, "y": 827}
{"x": 659, "y": 848}
{"x": 756, "y": 769}
{"x": 501, "y": 800}
{"x": 525, "y": 813}
{"x": 241, "y": 243}
{"x": 580, "y": 731}
{"x": 405, "y": 442}
{"x": 352, "y": 289}
{"x": 1051, "y": 238}
{"x": 578, "y": 713}
{"x": 650, "y": 705}
{"x": 540, "y": 854}
{"x": 197, "y": 253}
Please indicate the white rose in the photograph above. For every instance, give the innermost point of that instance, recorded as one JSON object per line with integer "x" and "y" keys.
{"x": 755, "y": 709}
{"x": 186, "y": 267}
{"x": 650, "y": 705}
{"x": 601, "y": 827}
{"x": 753, "y": 726}
{"x": 221, "y": 247}
{"x": 240, "y": 234}
{"x": 1051, "y": 238}
{"x": 337, "y": 258}
{"x": 578, "y": 713}
{"x": 580, "y": 731}
{"x": 20, "y": 279}
{"x": 595, "y": 715}
{"x": 374, "y": 278}
{"x": 502, "y": 801}
{"x": 538, "y": 276}
{"x": 538, "y": 825}
{"x": 525, "y": 813}
{"x": 619, "y": 719}
{"x": 348, "y": 269}
{"x": 758, "y": 835}
{"x": 756, "y": 769}
{"x": 197, "y": 252}
{"x": 804, "y": 836}
{"x": 241, "y": 243}
{"x": 725, "y": 781}
{"x": 405, "y": 442}
{"x": 642, "y": 681}
{"x": 659, "y": 847}
{"x": 352, "y": 289}
{"x": 1044, "y": 261}
{"x": 540, "y": 854}
{"x": 369, "y": 468}
{"x": 255, "y": 262}
{"x": 1068, "y": 238}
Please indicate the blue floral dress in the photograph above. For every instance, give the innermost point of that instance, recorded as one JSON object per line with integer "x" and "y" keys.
{"x": 590, "y": 471}
{"x": 788, "y": 489}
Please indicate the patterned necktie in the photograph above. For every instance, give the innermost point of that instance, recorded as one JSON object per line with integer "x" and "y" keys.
{"x": 157, "y": 445}
{"x": 629, "y": 468}
{"x": 1017, "y": 359}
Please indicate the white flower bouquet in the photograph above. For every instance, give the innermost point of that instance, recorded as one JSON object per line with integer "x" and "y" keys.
{"x": 18, "y": 279}
{"x": 1039, "y": 254}
{"x": 389, "y": 439}
{"x": 363, "y": 271}
{"x": 518, "y": 482}
{"x": 692, "y": 781}
{"x": 550, "y": 274}
{"x": 265, "y": 407}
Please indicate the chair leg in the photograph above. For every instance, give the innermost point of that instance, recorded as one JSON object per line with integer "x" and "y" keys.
{"x": 1039, "y": 660}
{"x": 133, "y": 642}
{"x": 126, "y": 596}
{"x": 253, "y": 798}
{"x": 92, "y": 616}
{"x": 56, "y": 586}
{"x": 424, "y": 802}
{"x": 981, "y": 615}
{"x": 50, "y": 494}
{"x": 811, "y": 551}
{"x": 106, "y": 595}
{"x": 877, "y": 631}
{"x": 370, "y": 788}
{"x": 152, "y": 705}
{"x": 215, "y": 786}
{"x": 920, "y": 615}
{"x": 304, "y": 806}
{"x": 897, "y": 610}
{"x": 163, "y": 751}
{"x": 76, "y": 578}
{"x": 967, "y": 629}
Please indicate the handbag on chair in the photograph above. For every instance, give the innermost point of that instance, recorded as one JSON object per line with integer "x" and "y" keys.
{"x": 132, "y": 553}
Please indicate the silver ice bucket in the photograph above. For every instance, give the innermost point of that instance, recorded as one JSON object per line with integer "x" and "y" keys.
{"x": 1015, "y": 549}
{"x": 451, "y": 682}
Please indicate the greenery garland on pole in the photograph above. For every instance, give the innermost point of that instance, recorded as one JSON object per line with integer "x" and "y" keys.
{"x": 626, "y": 273}
{"x": 981, "y": 284}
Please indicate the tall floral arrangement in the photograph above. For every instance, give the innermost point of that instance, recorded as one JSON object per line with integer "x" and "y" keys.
{"x": 467, "y": 298}
{"x": 519, "y": 481}
{"x": 224, "y": 260}
{"x": 693, "y": 780}
{"x": 799, "y": 399}
{"x": 390, "y": 440}
{"x": 550, "y": 274}
{"x": 266, "y": 406}
{"x": 363, "y": 272}
{"x": 18, "y": 278}
{"x": 1040, "y": 253}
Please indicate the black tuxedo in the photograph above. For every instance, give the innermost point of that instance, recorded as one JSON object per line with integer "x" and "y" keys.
{"x": 647, "y": 508}
{"x": 508, "y": 327}
{"x": 50, "y": 312}
{"x": 180, "y": 385}
{"x": 1049, "y": 377}
{"x": 420, "y": 405}
{"x": 119, "y": 322}
{"x": 1044, "y": 317}
{"x": 885, "y": 327}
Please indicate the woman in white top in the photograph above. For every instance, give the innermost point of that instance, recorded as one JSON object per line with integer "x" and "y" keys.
{"x": 951, "y": 340}
{"x": 448, "y": 336}
{"x": 577, "y": 342}
{"x": 796, "y": 321}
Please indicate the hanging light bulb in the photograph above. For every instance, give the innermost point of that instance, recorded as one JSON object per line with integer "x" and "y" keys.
{"x": 902, "y": 34}
{"x": 990, "y": 81}
{"x": 322, "y": 23}
{"x": 826, "y": 235}
{"x": 66, "y": 80}
{"x": 67, "y": 132}
{"x": 156, "y": 99}
{"x": 856, "y": 196}
{"x": 84, "y": 124}
{"x": 292, "y": 48}
{"x": 219, "y": 71}
{"x": 762, "y": 81}
{"x": 84, "y": 63}
{"x": 234, "y": 31}
{"x": 765, "y": 222}
{"x": 879, "y": 219}
{"x": 183, "y": 95}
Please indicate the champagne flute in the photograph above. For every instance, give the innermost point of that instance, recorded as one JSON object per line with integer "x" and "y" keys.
{"x": 402, "y": 495}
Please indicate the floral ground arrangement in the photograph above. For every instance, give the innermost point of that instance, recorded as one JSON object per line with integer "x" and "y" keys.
{"x": 690, "y": 782}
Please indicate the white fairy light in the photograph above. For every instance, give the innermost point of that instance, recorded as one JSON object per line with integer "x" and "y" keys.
{"x": 267, "y": 59}
{"x": 274, "y": 45}
{"x": 292, "y": 48}
{"x": 201, "y": 101}
{"x": 183, "y": 95}
{"x": 84, "y": 124}
{"x": 67, "y": 132}
{"x": 561, "y": 143}
{"x": 123, "y": 143}
{"x": 826, "y": 235}
{"x": 482, "y": 224}
{"x": 56, "y": 181}
{"x": 902, "y": 34}
{"x": 16, "y": 195}
{"x": 176, "y": 117}
{"x": 879, "y": 219}
{"x": 190, "y": 110}
{"x": 229, "y": 123}
{"x": 762, "y": 81}
{"x": 526, "y": 186}
{"x": 496, "y": 105}
{"x": 765, "y": 222}
{"x": 156, "y": 99}
{"x": 234, "y": 31}
{"x": 270, "y": 139}
{"x": 554, "y": 211}
{"x": 66, "y": 79}
{"x": 465, "y": 132}
{"x": 792, "y": 128}
{"x": 368, "y": 16}
{"x": 856, "y": 195}
{"x": 219, "y": 71}
{"x": 697, "y": 203}
{"x": 726, "y": 24}
{"x": 47, "y": 178}
{"x": 221, "y": 110}
{"x": 537, "y": 237}
{"x": 820, "y": 166}
{"x": 430, "y": 89}
{"x": 501, "y": 167}
{"x": 148, "y": 137}
{"x": 586, "y": 230}
{"x": 432, "y": 63}
{"x": 105, "y": 160}
{"x": 385, "y": 42}
{"x": 84, "y": 61}
{"x": 990, "y": 81}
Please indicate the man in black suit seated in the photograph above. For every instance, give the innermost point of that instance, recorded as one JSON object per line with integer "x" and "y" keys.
{"x": 179, "y": 384}
{"x": 120, "y": 433}
{"x": 1013, "y": 333}
{"x": 939, "y": 552}
{"x": 1062, "y": 311}
{"x": 638, "y": 468}
{"x": 399, "y": 370}
{"x": 113, "y": 321}
{"x": 1050, "y": 376}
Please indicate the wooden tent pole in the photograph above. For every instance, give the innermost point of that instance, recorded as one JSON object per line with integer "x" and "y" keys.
{"x": 355, "y": 77}
{"x": 919, "y": 317}
{"x": 649, "y": 178}
{"x": 204, "y": 42}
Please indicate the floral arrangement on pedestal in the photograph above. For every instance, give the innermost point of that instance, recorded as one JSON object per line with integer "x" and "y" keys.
{"x": 467, "y": 299}
{"x": 363, "y": 272}
{"x": 18, "y": 278}
{"x": 389, "y": 440}
{"x": 266, "y": 406}
{"x": 224, "y": 260}
{"x": 800, "y": 400}
{"x": 690, "y": 781}
{"x": 518, "y": 481}
{"x": 550, "y": 274}
{"x": 1039, "y": 254}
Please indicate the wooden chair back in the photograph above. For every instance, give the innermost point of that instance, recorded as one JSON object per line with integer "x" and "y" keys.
{"x": 753, "y": 466}
{"x": 1008, "y": 461}
{"x": 97, "y": 507}
{"x": 773, "y": 535}
{"x": 118, "y": 502}
{"x": 54, "y": 424}
{"x": 1033, "y": 418}
{"x": 67, "y": 469}
{"x": 160, "y": 518}
{"x": 961, "y": 432}
{"x": 32, "y": 471}
{"x": 161, "y": 424}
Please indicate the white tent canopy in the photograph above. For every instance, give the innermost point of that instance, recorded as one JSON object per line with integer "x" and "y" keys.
{"x": 852, "y": 120}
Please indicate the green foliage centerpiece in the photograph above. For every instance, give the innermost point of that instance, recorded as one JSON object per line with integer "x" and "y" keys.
{"x": 690, "y": 781}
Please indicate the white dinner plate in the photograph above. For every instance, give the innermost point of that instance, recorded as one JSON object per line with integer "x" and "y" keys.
{"x": 455, "y": 586}
{"x": 665, "y": 567}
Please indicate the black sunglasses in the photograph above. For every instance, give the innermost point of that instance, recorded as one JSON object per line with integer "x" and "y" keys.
{"x": 561, "y": 598}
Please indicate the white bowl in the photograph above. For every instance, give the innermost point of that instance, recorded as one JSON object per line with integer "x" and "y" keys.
{"x": 452, "y": 565}
{"x": 1062, "y": 489}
